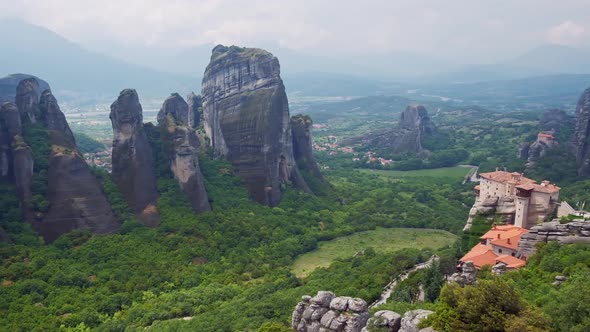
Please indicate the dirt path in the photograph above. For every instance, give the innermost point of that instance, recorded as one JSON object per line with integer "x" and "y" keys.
{"x": 387, "y": 290}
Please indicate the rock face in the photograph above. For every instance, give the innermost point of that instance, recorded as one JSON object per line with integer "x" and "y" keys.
{"x": 407, "y": 137}
{"x": 195, "y": 110}
{"x": 303, "y": 146}
{"x": 75, "y": 197}
{"x": 581, "y": 139}
{"x": 76, "y": 200}
{"x": 133, "y": 165}
{"x": 555, "y": 120}
{"x": 9, "y": 83}
{"x": 246, "y": 117}
{"x": 174, "y": 123}
{"x": 27, "y": 99}
{"x": 16, "y": 157}
{"x": 577, "y": 231}
{"x": 326, "y": 312}
{"x": 467, "y": 275}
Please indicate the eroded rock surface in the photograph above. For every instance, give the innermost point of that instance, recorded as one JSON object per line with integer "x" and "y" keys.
{"x": 573, "y": 232}
{"x": 327, "y": 312}
{"x": 9, "y": 83}
{"x": 303, "y": 146}
{"x": 132, "y": 158}
{"x": 407, "y": 137}
{"x": 76, "y": 199}
{"x": 27, "y": 99}
{"x": 195, "y": 109}
{"x": 174, "y": 123}
{"x": 246, "y": 117}
{"x": 581, "y": 139}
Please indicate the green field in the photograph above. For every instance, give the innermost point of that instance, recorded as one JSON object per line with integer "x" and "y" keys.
{"x": 453, "y": 172}
{"x": 380, "y": 239}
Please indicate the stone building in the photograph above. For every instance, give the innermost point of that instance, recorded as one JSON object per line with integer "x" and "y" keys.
{"x": 498, "y": 245}
{"x": 522, "y": 201}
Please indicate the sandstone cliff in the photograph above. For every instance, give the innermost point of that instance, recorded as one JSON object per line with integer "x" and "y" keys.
{"x": 195, "y": 110}
{"x": 74, "y": 196}
{"x": 581, "y": 139}
{"x": 246, "y": 117}
{"x": 174, "y": 120}
{"x": 76, "y": 199}
{"x": 9, "y": 83}
{"x": 406, "y": 137}
{"x": 303, "y": 146}
{"x": 132, "y": 158}
{"x": 16, "y": 158}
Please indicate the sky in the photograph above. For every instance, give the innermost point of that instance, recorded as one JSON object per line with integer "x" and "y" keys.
{"x": 467, "y": 30}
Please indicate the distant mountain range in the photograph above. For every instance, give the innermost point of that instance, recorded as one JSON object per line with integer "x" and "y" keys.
{"x": 74, "y": 71}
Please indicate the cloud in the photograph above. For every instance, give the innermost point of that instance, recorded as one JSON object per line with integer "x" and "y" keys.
{"x": 567, "y": 33}
{"x": 458, "y": 28}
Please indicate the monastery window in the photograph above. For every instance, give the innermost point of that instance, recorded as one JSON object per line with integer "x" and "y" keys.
{"x": 500, "y": 250}
{"x": 513, "y": 254}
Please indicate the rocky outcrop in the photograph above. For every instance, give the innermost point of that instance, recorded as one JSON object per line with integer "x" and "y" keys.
{"x": 407, "y": 137}
{"x": 467, "y": 275}
{"x": 326, "y": 312}
{"x": 16, "y": 156}
{"x": 246, "y": 117}
{"x": 303, "y": 146}
{"x": 195, "y": 110}
{"x": 27, "y": 99}
{"x": 76, "y": 199}
{"x": 555, "y": 120}
{"x": 132, "y": 158}
{"x": 577, "y": 231}
{"x": 9, "y": 83}
{"x": 174, "y": 123}
{"x": 581, "y": 139}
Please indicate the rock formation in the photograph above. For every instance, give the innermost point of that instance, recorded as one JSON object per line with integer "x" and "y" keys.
{"x": 76, "y": 199}
{"x": 407, "y": 137}
{"x": 303, "y": 146}
{"x": 467, "y": 275}
{"x": 174, "y": 123}
{"x": 195, "y": 110}
{"x": 246, "y": 117}
{"x": 577, "y": 231}
{"x": 74, "y": 196}
{"x": 326, "y": 312}
{"x": 551, "y": 123}
{"x": 16, "y": 158}
{"x": 27, "y": 99}
{"x": 581, "y": 139}
{"x": 133, "y": 165}
{"x": 9, "y": 83}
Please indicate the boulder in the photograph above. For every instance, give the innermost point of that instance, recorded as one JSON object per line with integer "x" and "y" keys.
{"x": 411, "y": 319}
{"x": 246, "y": 118}
{"x": 132, "y": 158}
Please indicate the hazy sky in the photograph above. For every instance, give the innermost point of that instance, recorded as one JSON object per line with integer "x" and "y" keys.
{"x": 485, "y": 30}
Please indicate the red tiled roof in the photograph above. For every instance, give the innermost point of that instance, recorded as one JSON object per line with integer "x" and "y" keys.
{"x": 502, "y": 176}
{"x": 503, "y": 232}
{"x": 480, "y": 255}
{"x": 509, "y": 243}
{"x": 546, "y": 135}
{"x": 521, "y": 182}
{"x": 510, "y": 261}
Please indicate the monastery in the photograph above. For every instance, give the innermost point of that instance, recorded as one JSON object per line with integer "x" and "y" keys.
{"x": 520, "y": 201}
